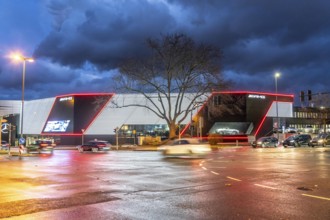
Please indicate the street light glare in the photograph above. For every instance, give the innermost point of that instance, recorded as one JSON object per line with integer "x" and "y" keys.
{"x": 277, "y": 74}
{"x": 20, "y": 57}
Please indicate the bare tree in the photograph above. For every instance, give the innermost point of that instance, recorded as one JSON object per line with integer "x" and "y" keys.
{"x": 176, "y": 68}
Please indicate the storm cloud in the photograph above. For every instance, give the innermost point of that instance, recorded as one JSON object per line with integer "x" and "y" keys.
{"x": 79, "y": 44}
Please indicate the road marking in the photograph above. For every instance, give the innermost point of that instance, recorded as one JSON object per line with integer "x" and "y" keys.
{"x": 251, "y": 168}
{"x": 232, "y": 178}
{"x": 204, "y": 168}
{"x": 317, "y": 197}
{"x": 268, "y": 187}
{"x": 215, "y": 173}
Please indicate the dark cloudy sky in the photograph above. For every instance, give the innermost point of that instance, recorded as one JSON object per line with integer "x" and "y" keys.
{"x": 78, "y": 44}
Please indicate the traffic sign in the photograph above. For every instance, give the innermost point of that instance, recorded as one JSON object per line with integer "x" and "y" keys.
{"x": 21, "y": 140}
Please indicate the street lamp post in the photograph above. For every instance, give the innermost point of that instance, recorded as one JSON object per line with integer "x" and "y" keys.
{"x": 82, "y": 136}
{"x": 277, "y": 75}
{"x": 24, "y": 59}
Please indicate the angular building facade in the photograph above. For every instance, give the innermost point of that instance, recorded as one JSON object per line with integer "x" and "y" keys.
{"x": 73, "y": 118}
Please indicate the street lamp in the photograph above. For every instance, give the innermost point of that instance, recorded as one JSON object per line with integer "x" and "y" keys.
{"x": 277, "y": 75}
{"x": 24, "y": 59}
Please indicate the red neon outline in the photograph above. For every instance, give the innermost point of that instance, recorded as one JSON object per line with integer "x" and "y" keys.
{"x": 85, "y": 94}
{"x": 200, "y": 109}
{"x": 96, "y": 115}
{"x": 264, "y": 118}
{"x": 226, "y": 137}
{"x": 244, "y": 92}
{"x": 259, "y": 93}
{"x": 78, "y": 94}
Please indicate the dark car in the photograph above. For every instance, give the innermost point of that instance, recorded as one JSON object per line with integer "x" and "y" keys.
{"x": 297, "y": 140}
{"x": 322, "y": 139}
{"x": 4, "y": 145}
{"x": 265, "y": 142}
{"x": 41, "y": 146}
{"x": 95, "y": 146}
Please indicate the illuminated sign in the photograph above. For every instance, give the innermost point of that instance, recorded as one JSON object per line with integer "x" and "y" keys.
{"x": 252, "y": 96}
{"x": 66, "y": 99}
{"x": 5, "y": 128}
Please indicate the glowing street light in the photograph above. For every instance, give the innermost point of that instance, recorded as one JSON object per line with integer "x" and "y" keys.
{"x": 277, "y": 75}
{"x": 20, "y": 57}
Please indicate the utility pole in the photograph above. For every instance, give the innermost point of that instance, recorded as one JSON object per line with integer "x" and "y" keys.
{"x": 116, "y": 130}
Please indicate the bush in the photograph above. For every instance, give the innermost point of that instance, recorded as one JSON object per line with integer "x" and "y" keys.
{"x": 215, "y": 139}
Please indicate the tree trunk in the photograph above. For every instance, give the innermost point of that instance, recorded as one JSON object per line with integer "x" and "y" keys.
{"x": 172, "y": 128}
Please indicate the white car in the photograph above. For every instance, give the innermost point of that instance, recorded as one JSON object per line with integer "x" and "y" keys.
{"x": 227, "y": 131}
{"x": 190, "y": 147}
{"x": 291, "y": 130}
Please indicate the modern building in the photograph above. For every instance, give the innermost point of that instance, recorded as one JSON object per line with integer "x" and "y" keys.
{"x": 311, "y": 119}
{"x": 74, "y": 118}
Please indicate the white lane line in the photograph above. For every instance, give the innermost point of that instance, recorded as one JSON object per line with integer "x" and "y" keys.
{"x": 204, "y": 168}
{"x": 232, "y": 178}
{"x": 263, "y": 186}
{"x": 255, "y": 168}
{"x": 215, "y": 173}
{"x": 317, "y": 197}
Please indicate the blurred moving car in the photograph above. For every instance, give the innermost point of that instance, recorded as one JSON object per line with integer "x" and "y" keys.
{"x": 187, "y": 147}
{"x": 4, "y": 145}
{"x": 297, "y": 140}
{"x": 95, "y": 146}
{"x": 322, "y": 139}
{"x": 265, "y": 142}
{"x": 41, "y": 146}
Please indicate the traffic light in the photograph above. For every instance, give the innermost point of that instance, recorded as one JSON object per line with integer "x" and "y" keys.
{"x": 302, "y": 96}
{"x": 309, "y": 95}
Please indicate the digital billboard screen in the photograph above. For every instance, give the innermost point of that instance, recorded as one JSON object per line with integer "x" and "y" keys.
{"x": 71, "y": 114}
{"x": 57, "y": 126}
{"x": 60, "y": 119}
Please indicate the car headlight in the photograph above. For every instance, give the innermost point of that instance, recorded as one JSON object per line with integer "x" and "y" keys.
{"x": 320, "y": 141}
{"x": 259, "y": 142}
{"x": 292, "y": 141}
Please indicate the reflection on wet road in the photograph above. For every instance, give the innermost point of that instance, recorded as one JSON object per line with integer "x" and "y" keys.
{"x": 237, "y": 183}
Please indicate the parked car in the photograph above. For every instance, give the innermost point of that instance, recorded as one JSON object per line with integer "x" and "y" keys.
{"x": 4, "y": 145}
{"x": 291, "y": 130}
{"x": 265, "y": 142}
{"x": 41, "y": 146}
{"x": 308, "y": 129}
{"x": 322, "y": 139}
{"x": 95, "y": 146}
{"x": 227, "y": 131}
{"x": 297, "y": 140}
{"x": 186, "y": 147}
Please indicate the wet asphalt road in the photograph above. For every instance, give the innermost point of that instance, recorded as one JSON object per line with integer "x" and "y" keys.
{"x": 235, "y": 183}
